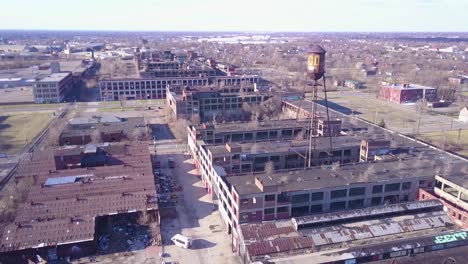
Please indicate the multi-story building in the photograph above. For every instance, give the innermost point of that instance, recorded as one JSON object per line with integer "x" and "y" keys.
{"x": 250, "y": 157}
{"x": 281, "y": 195}
{"x": 162, "y": 65}
{"x": 272, "y": 130}
{"x": 207, "y": 102}
{"x": 52, "y": 88}
{"x": 149, "y": 88}
{"x": 285, "y": 129}
{"x": 392, "y": 169}
{"x": 164, "y": 69}
{"x": 452, "y": 192}
{"x": 407, "y": 93}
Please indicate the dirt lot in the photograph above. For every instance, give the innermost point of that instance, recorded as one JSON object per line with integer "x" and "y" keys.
{"x": 16, "y": 129}
{"x": 454, "y": 140}
{"x": 401, "y": 118}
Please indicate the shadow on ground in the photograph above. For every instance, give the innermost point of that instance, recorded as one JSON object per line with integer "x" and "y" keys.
{"x": 337, "y": 107}
{"x": 161, "y": 132}
{"x": 202, "y": 243}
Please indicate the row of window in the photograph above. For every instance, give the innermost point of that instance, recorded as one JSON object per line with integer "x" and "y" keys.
{"x": 46, "y": 90}
{"x": 45, "y": 85}
{"x": 342, "y": 193}
{"x": 335, "y": 206}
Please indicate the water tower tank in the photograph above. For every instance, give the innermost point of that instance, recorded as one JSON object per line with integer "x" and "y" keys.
{"x": 316, "y": 62}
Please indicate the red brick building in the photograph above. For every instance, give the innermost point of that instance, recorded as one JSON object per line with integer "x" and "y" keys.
{"x": 407, "y": 93}
{"x": 453, "y": 196}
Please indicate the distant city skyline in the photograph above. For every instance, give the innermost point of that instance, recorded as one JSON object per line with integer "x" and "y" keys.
{"x": 239, "y": 15}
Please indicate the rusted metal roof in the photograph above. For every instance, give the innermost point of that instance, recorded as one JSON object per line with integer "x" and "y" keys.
{"x": 64, "y": 212}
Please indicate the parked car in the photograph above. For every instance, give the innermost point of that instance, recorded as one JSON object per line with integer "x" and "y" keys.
{"x": 182, "y": 241}
{"x": 170, "y": 163}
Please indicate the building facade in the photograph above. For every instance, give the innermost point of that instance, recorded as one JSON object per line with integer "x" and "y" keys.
{"x": 454, "y": 197}
{"x": 252, "y": 157}
{"x": 407, "y": 93}
{"x": 131, "y": 89}
{"x": 207, "y": 102}
{"x": 53, "y": 88}
{"x": 266, "y": 197}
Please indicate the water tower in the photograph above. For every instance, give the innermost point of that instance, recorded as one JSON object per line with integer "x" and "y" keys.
{"x": 316, "y": 62}
{"x": 315, "y": 72}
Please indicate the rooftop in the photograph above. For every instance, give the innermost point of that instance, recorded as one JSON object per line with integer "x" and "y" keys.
{"x": 124, "y": 184}
{"x": 409, "y": 86}
{"x": 351, "y": 174}
{"x": 54, "y": 77}
{"x": 243, "y": 126}
{"x": 281, "y": 238}
{"x": 285, "y": 146}
{"x": 106, "y": 124}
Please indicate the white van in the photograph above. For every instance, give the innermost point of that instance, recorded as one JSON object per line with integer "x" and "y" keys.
{"x": 182, "y": 241}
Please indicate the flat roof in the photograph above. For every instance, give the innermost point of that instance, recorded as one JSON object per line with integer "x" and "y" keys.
{"x": 322, "y": 143}
{"x": 345, "y": 175}
{"x": 249, "y": 126}
{"x": 409, "y": 86}
{"x": 86, "y": 126}
{"x": 54, "y": 77}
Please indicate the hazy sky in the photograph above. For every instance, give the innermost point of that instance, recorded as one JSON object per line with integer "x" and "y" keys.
{"x": 237, "y": 15}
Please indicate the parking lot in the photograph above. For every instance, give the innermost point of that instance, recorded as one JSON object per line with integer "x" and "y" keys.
{"x": 196, "y": 217}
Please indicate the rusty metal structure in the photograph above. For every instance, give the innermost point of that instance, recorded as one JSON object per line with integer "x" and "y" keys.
{"x": 315, "y": 73}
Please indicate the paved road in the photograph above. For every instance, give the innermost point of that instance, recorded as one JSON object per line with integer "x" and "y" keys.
{"x": 196, "y": 219}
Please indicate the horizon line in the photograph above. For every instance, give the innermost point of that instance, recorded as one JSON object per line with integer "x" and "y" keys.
{"x": 226, "y": 31}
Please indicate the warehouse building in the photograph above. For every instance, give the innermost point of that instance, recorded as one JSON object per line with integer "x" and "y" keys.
{"x": 207, "y": 102}
{"x": 199, "y": 135}
{"x": 73, "y": 190}
{"x": 155, "y": 88}
{"x": 250, "y": 157}
{"x": 52, "y": 88}
{"x": 387, "y": 231}
{"x": 453, "y": 193}
{"x": 84, "y": 130}
{"x": 407, "y": 93}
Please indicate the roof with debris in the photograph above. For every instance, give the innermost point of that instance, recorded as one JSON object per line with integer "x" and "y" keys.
{"x": 67, "y": 195}
{"x": 83, "y": 126}
{"x": 286, "y": 146}
{"x": 345, "y": 175}
{"x": 233, "y": 127}
{"x": 279, "y": 239}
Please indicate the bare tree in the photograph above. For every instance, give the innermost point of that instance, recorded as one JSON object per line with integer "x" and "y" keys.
{"x": 269, "y": 167}
{"x": 144, "y": 217}
{"x": 179, "y": 128}
{"x": 96, "y": 136}
{"x": 137, "y": 134}
{"x": 54, "y": 132}
{"x": 195, "y": 119}
{"x": 335, "y": 166}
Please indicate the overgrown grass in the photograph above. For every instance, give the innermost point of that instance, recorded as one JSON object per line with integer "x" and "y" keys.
{"x": 18, "y": 129}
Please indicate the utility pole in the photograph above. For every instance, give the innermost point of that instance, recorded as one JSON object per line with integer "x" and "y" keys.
{"x": 459, "y": 135}
{"x": 451, "y": 120}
